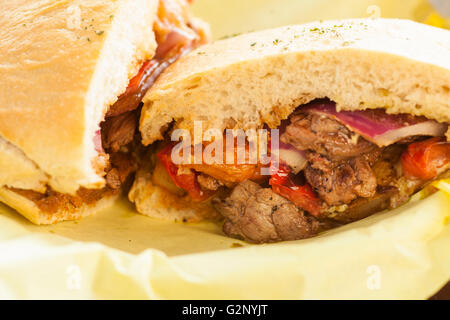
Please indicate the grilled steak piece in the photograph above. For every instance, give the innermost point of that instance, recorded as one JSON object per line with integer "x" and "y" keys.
{"x": 119, "y": 131}
{"x": 340, "y": 182}
{"x": 340, "y": 161}
{"x": 257, "y": 214}
{"x": 113, "y": 179}
{"x": 324, "y": 135}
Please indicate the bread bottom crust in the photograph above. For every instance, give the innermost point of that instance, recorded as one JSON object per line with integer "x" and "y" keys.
{"x": 30, "y": 210}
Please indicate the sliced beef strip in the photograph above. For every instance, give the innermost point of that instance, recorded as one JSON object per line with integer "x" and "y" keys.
{"x": 113, "y": 179}
{"x": 125, "y": 163}
{"x": 324, "y": 135}
{"x": 257, "y": 214}
{"x": 340, "y": 182}
{"x": 122, "y": 166}
{"x": 119, "y": 131}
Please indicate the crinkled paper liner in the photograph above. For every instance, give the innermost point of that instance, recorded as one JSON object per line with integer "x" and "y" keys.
{"x": 401, "y": 254}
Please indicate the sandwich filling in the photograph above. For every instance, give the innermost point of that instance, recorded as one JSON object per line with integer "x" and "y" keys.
{"x": 333, "y": 168}
{"x": 118, "y": 141}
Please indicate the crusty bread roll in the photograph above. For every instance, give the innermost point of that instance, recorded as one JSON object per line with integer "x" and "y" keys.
{"x": 62, "y": 64}
{"x": 261, "y": 77}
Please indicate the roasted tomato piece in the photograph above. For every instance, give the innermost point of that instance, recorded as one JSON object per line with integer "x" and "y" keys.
{"x": 302, "y": 195}
{"x": 229, "y": 173}
{"x": 422, "y": 160}
{"x": 187, "y": 180}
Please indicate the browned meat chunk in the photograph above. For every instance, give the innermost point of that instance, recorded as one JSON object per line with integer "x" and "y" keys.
{"x": 340, "y": 161}
{"x": 119, "y": 131}
{"x": 125, "y": 164}
{"x": 340, "y": 182}
{"x": 259, "y": 215}
{"x": 324, "y": 135}
{"x": 361, "y": 208}
{"x": 122, "y": 166}
{"x": 113, "y": 179}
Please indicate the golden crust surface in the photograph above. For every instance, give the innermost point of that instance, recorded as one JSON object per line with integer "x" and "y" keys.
{"x": 30, "y": 210}
{"x": 62, "y": 64}
{"x": 262, "y": 77}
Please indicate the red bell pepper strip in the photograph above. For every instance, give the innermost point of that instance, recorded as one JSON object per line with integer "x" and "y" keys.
{"x": 422, "y": 160}
{"x": 188, "y": 182}
{"x": 303, "y": 196}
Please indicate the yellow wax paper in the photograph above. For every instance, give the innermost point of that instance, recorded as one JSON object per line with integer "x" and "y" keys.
{"x": 401, "y": 254}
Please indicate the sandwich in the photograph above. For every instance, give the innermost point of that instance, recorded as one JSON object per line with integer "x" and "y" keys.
{"x": 73, "y": 74}
{"x": 356, "y": 113}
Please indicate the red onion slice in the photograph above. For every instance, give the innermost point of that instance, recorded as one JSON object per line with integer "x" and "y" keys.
{"x": 98, "y": 141}
{"x": 379, "y": 127}
{"x": 292, "y": 157}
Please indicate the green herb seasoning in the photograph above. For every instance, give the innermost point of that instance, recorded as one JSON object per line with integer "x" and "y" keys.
{"x": 230, "y": 36}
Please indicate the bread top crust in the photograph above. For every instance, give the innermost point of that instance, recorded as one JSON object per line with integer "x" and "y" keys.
{"x": 62, "y": 64}
{"x": 262, "y": 77}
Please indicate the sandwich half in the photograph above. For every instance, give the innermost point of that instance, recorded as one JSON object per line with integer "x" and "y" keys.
{"x": 72, "y": 76}
{"x": 359, "y": 111}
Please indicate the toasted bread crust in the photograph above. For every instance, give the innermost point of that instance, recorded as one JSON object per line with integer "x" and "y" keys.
{"x": 62, "y": 64}
{"x": 262, "y": 77}
{"x": 32, "y": 212}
